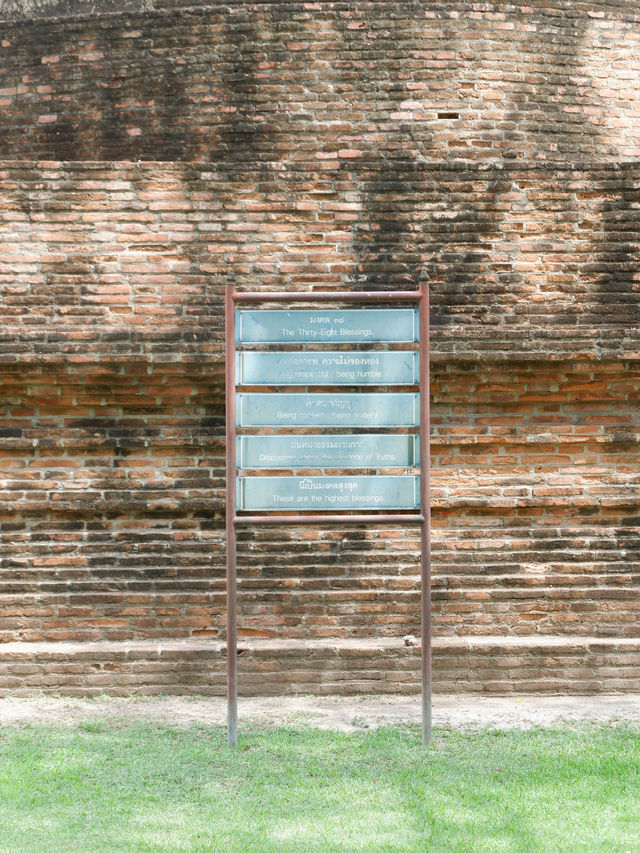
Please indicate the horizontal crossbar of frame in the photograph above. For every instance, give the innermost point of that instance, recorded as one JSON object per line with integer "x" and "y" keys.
{"x": 324, "y": 296}
{"x": 330, "y": 519}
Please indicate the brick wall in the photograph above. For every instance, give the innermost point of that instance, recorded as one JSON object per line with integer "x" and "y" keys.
{"x": 290, "y": 80}
{"x": 113, "y": 407}
{"x": 113, "y": 502}
{"x": 129, "y": 260}
{"x": 112, "y": 499}
{"x": 489, "y": 149}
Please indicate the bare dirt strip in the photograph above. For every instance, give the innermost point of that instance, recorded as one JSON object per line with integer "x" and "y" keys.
{"x": 332, "y": 712}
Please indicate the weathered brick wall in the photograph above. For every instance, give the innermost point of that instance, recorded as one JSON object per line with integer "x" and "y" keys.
{"x": 112, "y": 440}
{"x": 112, "y": 499}
{"x": 490, "y": 149}
{"x": 113, "y": 405}
{"x": 113, "y": 502}
{"x": 290, "y": 80}
{"x": 488, "y": 665}
{"x": 537, "y": 498}
{"x": 123, "y": 261}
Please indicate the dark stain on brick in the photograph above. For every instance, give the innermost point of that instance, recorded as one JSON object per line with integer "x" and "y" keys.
{"x": 143, "y": 104}
{"x": 421, "y": 224}
{"x": 387, "y": 238}
{"x": 617, "y": 258}
{"x": 242, "y": 137}
{"x": 60, "y": 138}
{"x": 462, "y": 230}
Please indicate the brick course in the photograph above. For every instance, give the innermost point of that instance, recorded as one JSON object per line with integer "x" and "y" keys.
{"x": 585, "y": 666}
{"x": 113, "y": 506}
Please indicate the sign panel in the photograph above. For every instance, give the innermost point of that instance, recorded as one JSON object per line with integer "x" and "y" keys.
{"x": 265, "y": 326}
{"x": 328, "y": 368}
{"x": 328, "y": 451}
{"x": 338, "y": 493}
{"x": 328, "y": 410}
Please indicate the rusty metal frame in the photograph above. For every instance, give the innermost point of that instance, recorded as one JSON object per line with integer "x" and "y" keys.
{"x": 421, "y": 296}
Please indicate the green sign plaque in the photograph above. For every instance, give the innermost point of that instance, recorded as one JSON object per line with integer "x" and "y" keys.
{"x": 328, "y": 410}
{"x": 327, "y": 368}
{"x": 343, "y": 493}
{"x": 362, "y": 325}
{"x": 327, "y": 451}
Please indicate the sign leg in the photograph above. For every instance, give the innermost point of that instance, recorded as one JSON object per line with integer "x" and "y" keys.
{"x": 427, "y": 700}
{"x": 232, "y": 615}
{"x": 232, "y": 638}
{"x": 425, "y": 506}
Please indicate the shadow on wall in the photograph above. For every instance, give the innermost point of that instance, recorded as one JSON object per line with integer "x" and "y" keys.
{"x": 422, "y": 224}
{"x": 387, "y": 240}
{"x": 127, "y": 111}
{"x": 617, "y": 258}
{"x": 143, "y": 99}
{"x": 412, "y": 225}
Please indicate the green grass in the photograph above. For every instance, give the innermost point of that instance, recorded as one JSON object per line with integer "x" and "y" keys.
{"x": 109, "y": 787}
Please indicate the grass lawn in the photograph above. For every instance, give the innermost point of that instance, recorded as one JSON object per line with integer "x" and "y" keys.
{"x": 108, "y": 786}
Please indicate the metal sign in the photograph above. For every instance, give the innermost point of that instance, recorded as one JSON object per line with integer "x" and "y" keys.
{"x": 328, "y": 368}
{"x": 342, "y": 493}
{"x": 328, "y": 410}
{"x": 319, "y": 431}
{"x": 328, "y": 451}
{"x": 399, "y": 325}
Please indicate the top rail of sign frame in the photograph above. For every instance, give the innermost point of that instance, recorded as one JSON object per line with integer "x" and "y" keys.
{"x": 328, "y": 296}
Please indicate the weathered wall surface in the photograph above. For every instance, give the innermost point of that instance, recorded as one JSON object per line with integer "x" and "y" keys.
{"x": 129, "y": 260}
{"x": 290, "y": 81}
{"x": 111, "y": 519}
{"x": 29, "y": 10}
{"x": 491, "y": 149}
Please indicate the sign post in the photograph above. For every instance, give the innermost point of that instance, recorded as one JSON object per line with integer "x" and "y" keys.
{"x": 328, "y": 498}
